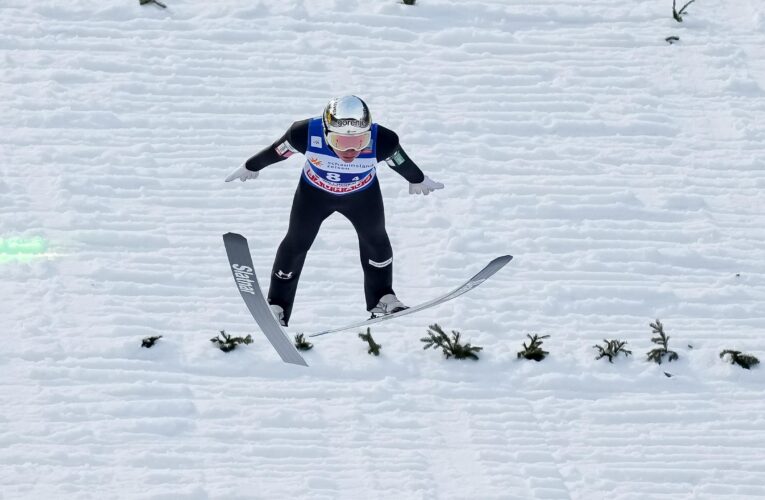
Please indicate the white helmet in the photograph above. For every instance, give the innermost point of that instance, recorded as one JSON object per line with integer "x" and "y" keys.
{"x": 347, "y": 115}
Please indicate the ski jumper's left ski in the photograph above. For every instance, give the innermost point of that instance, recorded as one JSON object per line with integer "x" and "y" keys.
{"x": 244, "y": 275}
{"x": 484, "y": 274}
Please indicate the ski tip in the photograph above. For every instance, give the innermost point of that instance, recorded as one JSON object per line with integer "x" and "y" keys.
{"x": 229, "y": 236}
{"x": 504, "y": 259}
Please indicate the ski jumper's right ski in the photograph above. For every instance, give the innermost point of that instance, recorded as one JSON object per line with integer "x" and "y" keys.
{"x": 491, "y": 268}
{"x": 244, "y": 275}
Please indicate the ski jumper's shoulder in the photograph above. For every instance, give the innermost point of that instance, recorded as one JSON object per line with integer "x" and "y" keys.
{"x": 387, "y": 142}
{"x": 390, "y": 151}
{"x": 297, "y": 135}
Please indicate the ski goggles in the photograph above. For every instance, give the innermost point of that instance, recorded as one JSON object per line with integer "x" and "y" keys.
{"x": 340, "y": 142}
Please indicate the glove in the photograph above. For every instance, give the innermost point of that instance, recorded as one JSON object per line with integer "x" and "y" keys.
{"x": 242, "y": 174}
{"x": 425, "y": 187}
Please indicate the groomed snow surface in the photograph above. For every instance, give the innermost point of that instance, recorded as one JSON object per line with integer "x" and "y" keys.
{"x": 624, "y": 174}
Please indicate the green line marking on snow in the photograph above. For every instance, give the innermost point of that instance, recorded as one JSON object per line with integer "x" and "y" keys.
{"x": 22, "y": 249}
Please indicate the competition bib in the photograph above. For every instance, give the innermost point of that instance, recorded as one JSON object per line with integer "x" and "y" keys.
{"x": 324, "y": 170}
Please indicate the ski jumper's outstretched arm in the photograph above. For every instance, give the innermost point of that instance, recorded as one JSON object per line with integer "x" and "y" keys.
{"x": 293, "y": 141}
{"x": 390, "y": 151}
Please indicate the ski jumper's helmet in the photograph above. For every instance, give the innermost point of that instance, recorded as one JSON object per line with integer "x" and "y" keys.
{"x": 347, "y": 123}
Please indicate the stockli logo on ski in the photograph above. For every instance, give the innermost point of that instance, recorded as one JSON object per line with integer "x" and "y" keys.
{"x": 243, "y": 276}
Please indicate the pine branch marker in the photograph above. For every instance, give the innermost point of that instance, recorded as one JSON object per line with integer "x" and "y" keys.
{"x": 149, "y": 342}
{"x": 227, "y": 343}
{"x": 534, "y": 349}
{"x": 746, "y": 361}
{"x": 657, "y": 354}
{"x": 449, "y": 346}
{"x": 678, "y": 14}
{"x": 374, "y": 348}
{"x": 157, "y": 2}
{"x": 301, "y": 343}
{"x": 611, "y": 350}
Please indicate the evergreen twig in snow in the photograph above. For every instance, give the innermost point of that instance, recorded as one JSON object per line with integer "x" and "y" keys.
{"x": 451, "y": 347}
{"x": 157, "y": 2}
{"x": 534, "y": 349}
{"x": 657, "y": 354}
{"x": 301, "y": 343}
{"x": 227, "y": 343}
{"x": 737, "y": 357}
{"x": 611, "y": 349}
{"x": 678, "y": 14}
{"x": 150, "y": 341}
{"x": 374, "y": 348}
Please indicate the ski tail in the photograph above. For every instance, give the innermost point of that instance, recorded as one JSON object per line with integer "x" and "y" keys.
{"x": 240, "y": 261}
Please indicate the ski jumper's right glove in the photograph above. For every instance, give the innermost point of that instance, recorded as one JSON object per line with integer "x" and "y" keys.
{"x": 425, "y": 187}
{"x": 242, "y": 174}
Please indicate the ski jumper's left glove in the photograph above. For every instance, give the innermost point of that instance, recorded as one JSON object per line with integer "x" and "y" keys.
{"x": 242, "y": 174}
{"x": 425, "y": 187}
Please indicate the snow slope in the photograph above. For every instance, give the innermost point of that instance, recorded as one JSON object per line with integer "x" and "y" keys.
{"x": 625, "y": 175}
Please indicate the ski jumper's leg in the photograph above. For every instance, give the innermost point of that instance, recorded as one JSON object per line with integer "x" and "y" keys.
{"x": 309, "y": 209}
{"x": 366, "y": 212}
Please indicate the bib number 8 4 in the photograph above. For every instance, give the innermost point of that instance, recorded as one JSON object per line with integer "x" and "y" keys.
{"x": 335, "y": 177}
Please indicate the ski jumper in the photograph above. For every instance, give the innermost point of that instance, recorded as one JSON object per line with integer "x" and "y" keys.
{"x": 328, "y": 185}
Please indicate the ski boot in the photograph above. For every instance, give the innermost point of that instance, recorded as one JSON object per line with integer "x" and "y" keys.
{"x": 279, "y": 313}
{"x": 388, "y": 304}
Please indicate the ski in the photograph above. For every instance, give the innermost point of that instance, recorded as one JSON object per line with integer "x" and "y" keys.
{"x": 240, "y": 261}
{"x": 491, "y": 268}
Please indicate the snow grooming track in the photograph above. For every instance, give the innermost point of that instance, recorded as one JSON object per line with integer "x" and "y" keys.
{"x": 626, "y": 175}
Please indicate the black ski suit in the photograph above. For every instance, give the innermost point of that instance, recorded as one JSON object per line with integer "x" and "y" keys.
{"x": 312, "y": 205}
